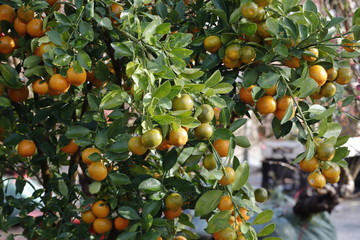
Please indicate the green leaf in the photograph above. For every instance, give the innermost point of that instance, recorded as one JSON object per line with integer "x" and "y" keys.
{"x": 269, "y": 229}
{"x": 310, "y": 148}
{"x": 101, "y": 139}
{"x": 214, "y": 79}
{"x": 128, "y": 213}
{"x": 114, "y": 99}
{"x": 84, "y": 59}
{"x": 263, "y": 217}
{"x": 309, "y": 5}
{"x": 106, "y": 23}
{"x": 235, "y": 15}
{"x": 223, "y": 133}
{"x": 223, "y": 88}
{"x": 242, "y": 175}
{"x": 348, "y": 99}
{"x": 119, "y": 179}
{"x": 121, "y": 50}
{"x": 333, "y": 130}
{"x": 150, "y": 29}
{"x": 150, "y": 185}
{"x": 250, "y": 77}
{"x": 217, "y": 102}
{"x": 248, "y": 28}
{"x": 341, "y": 141}
{"x": 102, "y": 71}
{"x": 77, "y": 132}
{"x": 86, "y": 30}
{"x": 4, "y": 102}
{"x": 288, "y": 114}
{"x": 207, "y": 202}
{"x": 62, "y": 60}
{"x": 127, "y": 236}
{"x": 267, "y": 80}
{"x": 181, "y": 52}
{"x": 32, "y": 61}
{"x": 340, "y": 154}
{"x": 63, "y": 188}
{"x": 272, "y": 25}
{"x": 163, "y": 28}
{"x": 163, "y": 90}
{"x": 218, "y": 221}
{"x": 61, "y": 18}
{"x": 242, "y": 141}
{"x": 237, "y": 124}
{"x": 94, "y": 187}
{"x": 10, "y": 76}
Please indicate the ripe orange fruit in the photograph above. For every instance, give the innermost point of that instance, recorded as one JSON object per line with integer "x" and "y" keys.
{"x": 88, "y": 217}
{"x": 260, "y": 16}
{"x": 97, "y": 171}
{"x": 212, "y": 44}
{"x": 52, "y": 3}
{"x": 271, "y": 91}
{"x": 151, "y": 138}
{"x": 344, "y": 76}
{"x": 179, "y": 238}
{"x": 25, "y": 14}
{"x": 70, "y": 148}
{"x": 45, "y": 47}
{"x": 249, "y": 10}
{"x": 20, "y": 27}
{"x": 76, "y": 78}
{"x": 280, "y": 114}
{"x": 53, "y": 92}
{"x": 309, "y": 165}
{"x": 7, "y": 45}
{"x": 222, "y": 147}
{"x": 226, "y": 204}
{"x": 332, "y": 74}
{"x": 217, "y": 112}
{"x": 87, "y": 152}
{"x": 100, "y": 209}
{"x": 178, "y": 137}
{"x": 204, "y": 131}
{"x": 102, "y": 225}
{"x": 40, "y": 87}
{"x": 316, "y": 180}
{"x": 325, "y": 151}
{"x": 164, "y": 145}
{"x": 248, "y": 54}
{"x": 170, "y": 214}
{"x": 95, "y": 82}
{"x": 283, "y": 102}
{"x": 209, "y": 162}
{"x": 262, "y": 30}
{"x": 121, "y": 223}
{"x": 18, "y": 95}
{"x": 2, "y": 89}
{"x": 349, "y": 46}
{"x": 316, "y": 94}
{"x": 332, "y": 172}
{"x": 245, "y": 95}
{"x": 333, "y": 180}
{"x": 319, "y": 74}
{"x": 116, "y": 9}
{"x": 328, "y": 89}
{"x": 173, "y": 201}
{"x": 58, "y": 83}
{"x": 292, "y": 62}
{"x": 26, "y": 148}
{"x": 233, "y": 51}
{"x": 229, "y": 63}
{"x": 225, "y": 234}
{"x": 229, "y": 176}
{"x": 184, "y": 102}
{"x": 243, "y": 212}
{"x": 314, "y": 51}
{"x": 266, "y": 105}
{"x": 7, "y": 13}
{"x": 35, "y": 28}
{"x": 136, "y": 147}
{"x": 263, "y": 3}
{"x": 207, "y": 113}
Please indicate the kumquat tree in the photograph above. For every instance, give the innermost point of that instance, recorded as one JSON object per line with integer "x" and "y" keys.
{"x": 125, "y": 111}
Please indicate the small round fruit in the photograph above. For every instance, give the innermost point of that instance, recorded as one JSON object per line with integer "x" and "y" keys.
{"x": 170, "y": 214}
{"x": 40, "y": 87}
{"x": 260, "y": 16}
{"x": 7, "y": 45}
{"x": 100, "y": 209}
{"x": 86, "y": 153}
{"x": 88, "y": 217}
{"x": 328, "y": 89}
{"x": 184, "y": 102}
{"x": 249, "y": 10}
{"x": 333, "y": 180}
{"x": 246, "y": 95}
{"x": 209, "y": 162}
{"x": 344, "y": 76}
{"x": 333, "y": 172}
{"x": 280, "y": 114}
{"x": 284, "y": 102}
{"x": 248, "y": 55}
{"x": 229, "y": 176}
{"x": 70, "y": 148}
{"x": 244, "y": 216}
{"x": 102, "y": 225}
{"x": 226, "y": 234}
{"x": 26, "y": 148}
{"x": 136, "y": 146}
{"x": 325, "y": 151}
{"x": 151, "y": 138}
{"x": 229, "y": 63}
{"x": 309, "y": 165}
{"x": 7, "y": 13}
{"x": 173, "y": 201}
{"x": 292, "y": 62}
{"x": 18, "y": 95}
{"x": 35, "y": 28}
{"x": 164, "y": 145}
{"x": 271, "y": 91}
{"x": 319, "y": 74}
{"x": 314, "y": 51}
{"x": 58, "y": 83}
{"x": 204, "y": 131}
{"x": 261, "y": 195}
{"x": 76, "y": 78}
{"x": 20, "y": 27}
{"x": 25, "y": 14}
{"x": 233, "y": 51}
{"x": 116, "y": 9}
{"x": 316, "y": 180}
{"x": 226, "y": 204}
{"x": 97, "y": 171}
{"x": 212, "y": 44}
{"x": 262, "y": 30}
{"x": 332, "y": 74}
{"x": 179, "y": 238}
{"x": 263, "y": 3}
{"x": 207, "y": 113}
{"x": 121, "y": 223}
{"x": 266, "y": 105}
{"x": 222, "y": 147}
{"x": 178, "y": 137}
{"x": 316, "y": 94}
